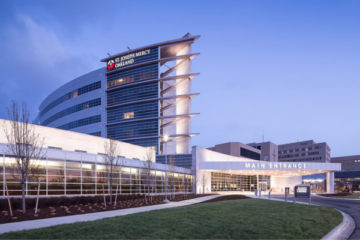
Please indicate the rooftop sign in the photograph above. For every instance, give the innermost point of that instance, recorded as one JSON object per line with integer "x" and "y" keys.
{"x": 125, "y": 59}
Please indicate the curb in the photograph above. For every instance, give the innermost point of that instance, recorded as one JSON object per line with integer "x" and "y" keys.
{"x": 352, "y": 199}
{"x": 340, "y": 232}
{"x": 343, "y": 230}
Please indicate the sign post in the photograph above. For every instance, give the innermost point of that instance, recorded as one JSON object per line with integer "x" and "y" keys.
{"x": 302, "y": 191}
{"x": 286, "y": 193}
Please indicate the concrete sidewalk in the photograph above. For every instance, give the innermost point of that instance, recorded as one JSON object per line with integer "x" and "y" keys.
{"x": 47, "y": 222}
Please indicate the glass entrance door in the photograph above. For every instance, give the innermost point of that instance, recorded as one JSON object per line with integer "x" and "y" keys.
{"x": 263, "y": 186}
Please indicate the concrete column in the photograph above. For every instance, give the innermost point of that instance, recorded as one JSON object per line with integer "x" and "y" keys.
{"x": 183, "y": 126}
{"x": 330, "y": 182}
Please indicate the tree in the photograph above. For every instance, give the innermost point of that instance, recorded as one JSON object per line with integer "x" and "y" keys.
{"x": 111, "y": 161}
{"x": 203, "y": 181}
{"x": 186, "y": 183}
{"x": 148, "y": 170}
{"x": 24, "y": 145}
{"x": 196, "y": 181}
{"x": 171, "y": 177}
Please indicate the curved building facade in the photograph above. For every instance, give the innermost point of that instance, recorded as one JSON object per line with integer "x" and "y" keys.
{"x": 77, "y": 106}
{"x": 140, "y": 96}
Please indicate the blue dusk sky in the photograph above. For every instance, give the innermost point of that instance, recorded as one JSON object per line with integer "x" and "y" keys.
{"x": 288, "y": 68}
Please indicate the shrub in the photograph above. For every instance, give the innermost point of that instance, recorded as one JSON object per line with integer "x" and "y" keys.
{"x": 16, "y": 203}
{"x": 31, "y": 202}
{"x": 84, "y": 200}
{"x": 92, "y": 200}
{"x": 75, "y": 201}
{"x": 4, "y": 205}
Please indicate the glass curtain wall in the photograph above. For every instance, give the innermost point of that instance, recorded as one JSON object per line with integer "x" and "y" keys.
{"x": 67, "y": 177}
{"x": 231, "y": 182}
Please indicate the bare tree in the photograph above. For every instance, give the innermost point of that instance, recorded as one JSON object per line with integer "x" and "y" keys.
{"x": 203, "y": 182}
{"x": 111, "y": 162}
{"x": 171, "y": 177}
{"x": 196, "y": 181}
{"x": 148, "y": 170}
{"x": 186, "y": 183}
{"x": 24, "y": 145}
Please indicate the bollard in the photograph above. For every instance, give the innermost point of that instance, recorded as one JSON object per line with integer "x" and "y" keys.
{"x": 269, "y": 194}
{"x": 259, "y": 193}
{"x": 256, "y": 192}
{"x": 285, "y": 196}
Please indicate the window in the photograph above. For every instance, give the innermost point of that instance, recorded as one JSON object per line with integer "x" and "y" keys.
{"x": 299, "y": 154}
{"x": 81, "y": 122}
{"x": 74, "y": 93}
{"x": 249, "y": 154}
{"x": 306, "y": 154}
{"x": 56, "y": 148}
{"x": 320, "y": 147}
{"x": 73, "y": 109}
{"x": 313, "y": 147}
{"x": 306, "y": 149}
{"x": 288, "y": 151}
{"x": 320, "y": 152}
{"x": 147, "y": 75}
{"x": 128, "y": 115}
{"x": 128, "y": 133}
{"x": 120, "y": 81}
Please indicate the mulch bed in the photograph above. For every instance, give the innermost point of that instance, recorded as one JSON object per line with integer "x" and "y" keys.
{"x": 75, "y": 209}
{"x": 226, "y": 198}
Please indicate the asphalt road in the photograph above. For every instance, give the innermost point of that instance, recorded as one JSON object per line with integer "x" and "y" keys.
{"x": 350, "y": 207}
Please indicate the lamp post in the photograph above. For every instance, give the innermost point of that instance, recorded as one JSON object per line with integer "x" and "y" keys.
{"x": 166, "y": 138}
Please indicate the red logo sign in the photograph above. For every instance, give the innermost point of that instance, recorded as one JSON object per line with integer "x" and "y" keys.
{"x": 110, "y": 65}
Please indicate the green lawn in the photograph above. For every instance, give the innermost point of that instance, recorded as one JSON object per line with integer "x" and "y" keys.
{"x": 241, "y": 219}
{"x": 354, "y": 195}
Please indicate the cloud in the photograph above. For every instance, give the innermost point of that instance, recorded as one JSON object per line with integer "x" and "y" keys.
{"x": 36, "y": 60}
{"x": 35, "y": 43}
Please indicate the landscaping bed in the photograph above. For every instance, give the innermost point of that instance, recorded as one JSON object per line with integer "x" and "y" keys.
{"x": 67, "y": 206}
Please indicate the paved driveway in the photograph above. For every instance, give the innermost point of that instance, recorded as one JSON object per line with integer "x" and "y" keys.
{"x": 350, "y": 207}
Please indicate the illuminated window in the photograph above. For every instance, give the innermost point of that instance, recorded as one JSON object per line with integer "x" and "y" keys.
{"x": 86, "y": 106}
{"x": 74, "y": 94}
{"x": 120, "y": 81}
{"x": 128, "y": 115}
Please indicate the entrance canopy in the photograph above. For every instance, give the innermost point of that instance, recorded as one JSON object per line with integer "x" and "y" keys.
{"x": 210, "y": 161}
